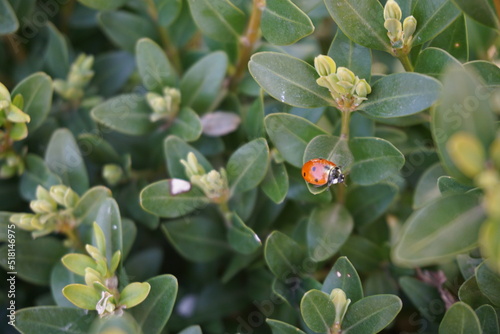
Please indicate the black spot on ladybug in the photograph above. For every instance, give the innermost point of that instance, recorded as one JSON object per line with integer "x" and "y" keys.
{"x": 304, "y": 173}
{"x": 315, "y": 180}
{"x": 314, "y": 169}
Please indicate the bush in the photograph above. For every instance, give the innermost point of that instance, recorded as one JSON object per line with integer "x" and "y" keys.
{"x": 158, "y": 172}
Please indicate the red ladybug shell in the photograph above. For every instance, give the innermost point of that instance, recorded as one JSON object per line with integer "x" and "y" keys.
{"x": 318, "y": 171}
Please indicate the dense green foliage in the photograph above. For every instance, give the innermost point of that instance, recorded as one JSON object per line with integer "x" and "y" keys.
{"x": 151, "y": 155}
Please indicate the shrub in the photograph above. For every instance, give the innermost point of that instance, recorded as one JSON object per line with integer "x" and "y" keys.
{"x": 159, "y": 172}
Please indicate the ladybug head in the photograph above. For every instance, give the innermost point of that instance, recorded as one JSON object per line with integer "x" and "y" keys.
{"x": 335, "y": 176}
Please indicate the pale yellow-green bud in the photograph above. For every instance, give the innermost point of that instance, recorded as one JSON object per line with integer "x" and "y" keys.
{"x": 339, "y": 299}
{"x": 4, "y": 93}
{"x": 327, "y": 81}
{"x": 363, "y": 88}
{"x": 192, "y": 166}
{"x": 112, "y": 173}
{"x": 64, "y": 195}
{"x": 57, "y": 193}
{"x": 324, "y": 65}
{"x": 394, "y": 29}
{"x": 16, "y": 115}
{"x": 342, "y": 87}
{"x": 44, "y": 194}
{"x": 156, "y": 102}
{"x": 409, "y": 27}
{"x": 488, "y": 179}
{"x": 214, "y": 184}
{"x": 392, "y": 10}
{"x": 345, "y": 74}
{"x": 43, "y": 206}
{"x": 4, "y": 104}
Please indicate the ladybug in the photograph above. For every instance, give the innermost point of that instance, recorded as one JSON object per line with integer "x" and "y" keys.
{"x": 320, "y": 172}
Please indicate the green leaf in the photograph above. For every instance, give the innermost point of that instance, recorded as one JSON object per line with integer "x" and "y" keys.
{"x": 470, "y": 293}
{"x": 192, "y": 330}
{"x": 82, "y": 295}
{"x": 108, "y": 219}
{"x": 464, "y": 107}
{"x": 432, "y": 18}
{"x": 176, "y": 149}
{"x": 157, "y": 199}
{"x": 123, "y": 324}
{"x": 56, "y": 55}
{"x": 488, "y": 319}
{"x": 487, "y": 71}
{"x": 77, "y": 263}
{"x": 8, "y": 19}
{"x": 218, "y": 19}
{"x": 34, "y": 258}
{"x": 364, "y": 254}
{"x": 35, "y": 174}
{"x": 429, "y": 235}
{"x": 327, "y": 230}
{"x": 375, "y": 160}
{"x": 241, "y": 237}
{"x": 454, "y": 39}
{"x": 87, "y": 207}
{"x": 197, "y": 238}
{"x": 134, "y": 294}
{"x": 153, "y": 313}
{"x": 275, "y": 183}
{"x": 36, "y": 91}
{"x": 254, "y": 119}
{"x": 187, "y": 125}
{"x": 344, "y": 276}
{"x": 291, "y": 134}
{"x": 283, "y": 23}
{"x": 318, "y": 311}
{"x": 127, "y": 114}
{"x": 111, "y": 72}
{"x": 489, "y": 283}
{"x": 422, "y": 295}
{"x": 361, "y": 21}
{"x": 481, "y": 11}
{"x": 154, "y": 68}
{"x": 460, "y": 318}
{"x": 59, "y": 278}
{"x": 201, "y": 84}
{"x": 124, "y": 28}
{"x": 371, "y": 314}
{"x": 427, "y": 189}
{"x": 168, "y": 11}
{"x": 54, "y": 320}
{"x": 348, "y": 54}
{"x": 103, "y": 4}
{"x": 63, "y": 158}
{"x": 289, "y": 80}
{"x": 367, "y": 203}
{"x": 449, "y": 185}
{"x": 279, "y": 327}
{"x": 98, "y": 150}
{"x": 401, "y": 94}
{"x": 283, "y": 255}
{"x": 433, "y": 62}
{"x": 248, "y": 165}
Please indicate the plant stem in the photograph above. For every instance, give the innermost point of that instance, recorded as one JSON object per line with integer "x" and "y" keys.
{"x": 170, "y": 50}
{"x": 405, "y": 60}
{"x": 344, "y": 130}
{"x": 247, "y": 42}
